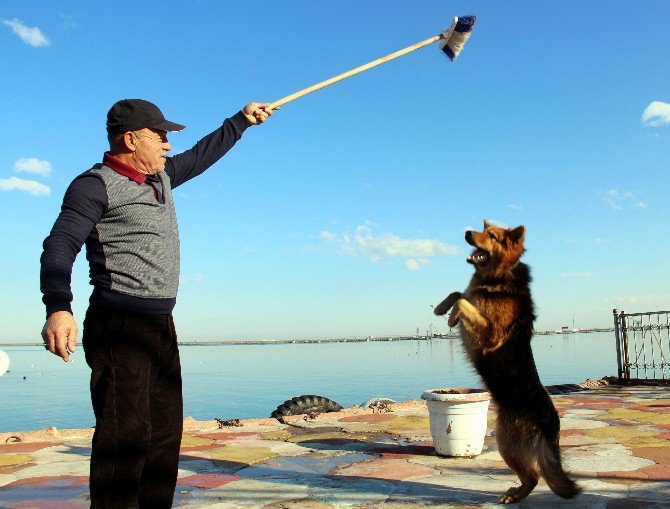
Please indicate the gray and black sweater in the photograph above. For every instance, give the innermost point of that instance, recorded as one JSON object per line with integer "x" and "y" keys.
{"x": 127, "y": 221}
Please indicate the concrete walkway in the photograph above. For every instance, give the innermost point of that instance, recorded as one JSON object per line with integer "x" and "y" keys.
{"x": 616, "y": 442}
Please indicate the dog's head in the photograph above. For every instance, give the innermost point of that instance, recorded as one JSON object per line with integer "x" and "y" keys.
{"x": 496, "y": 249}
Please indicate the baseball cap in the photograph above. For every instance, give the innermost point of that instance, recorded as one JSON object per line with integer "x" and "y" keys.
{"x": 135, "y": 114}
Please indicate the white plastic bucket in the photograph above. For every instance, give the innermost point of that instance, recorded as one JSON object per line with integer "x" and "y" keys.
{"x": 4, "y": 362}
{"x": 457, "y": 420}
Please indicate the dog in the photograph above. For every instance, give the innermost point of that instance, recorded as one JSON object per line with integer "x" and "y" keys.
{"x": 496, "y": 315}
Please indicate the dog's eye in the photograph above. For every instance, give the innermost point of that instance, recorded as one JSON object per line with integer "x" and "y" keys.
{"x": 492, "y": 236}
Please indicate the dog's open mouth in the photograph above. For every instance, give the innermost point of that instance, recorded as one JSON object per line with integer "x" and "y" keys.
{"x": 479, "y": 257}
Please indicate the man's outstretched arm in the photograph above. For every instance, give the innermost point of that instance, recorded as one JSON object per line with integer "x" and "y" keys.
{"x": 209, "y": 149}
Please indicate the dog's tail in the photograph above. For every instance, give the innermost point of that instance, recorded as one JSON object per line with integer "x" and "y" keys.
{"x": 549, "y": 461}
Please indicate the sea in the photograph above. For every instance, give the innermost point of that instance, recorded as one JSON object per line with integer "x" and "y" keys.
{"x": 242, "y": 381}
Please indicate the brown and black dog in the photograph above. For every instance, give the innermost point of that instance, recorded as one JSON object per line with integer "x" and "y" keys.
{"x": 496, "y": 315}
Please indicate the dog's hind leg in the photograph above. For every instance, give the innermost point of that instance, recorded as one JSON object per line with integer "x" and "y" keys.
{"x": 528, "y": 475}
{"x": 520, "y": 454}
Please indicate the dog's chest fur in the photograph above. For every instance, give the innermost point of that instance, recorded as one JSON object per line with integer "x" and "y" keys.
{"x": 501, "y": 351}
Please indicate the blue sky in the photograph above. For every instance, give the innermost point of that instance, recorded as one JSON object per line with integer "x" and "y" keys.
{"x": 344, "y": 215}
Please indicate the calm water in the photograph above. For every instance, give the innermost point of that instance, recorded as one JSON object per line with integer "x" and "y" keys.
{"x": 244, "y": 381}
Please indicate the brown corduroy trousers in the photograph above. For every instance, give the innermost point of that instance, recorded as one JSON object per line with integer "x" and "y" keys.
{"x": 137, "y": 401}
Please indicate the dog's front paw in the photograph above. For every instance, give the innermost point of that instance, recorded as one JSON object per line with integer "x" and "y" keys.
{"x": 454, "y": 317}
{"x": 446, "y": 304}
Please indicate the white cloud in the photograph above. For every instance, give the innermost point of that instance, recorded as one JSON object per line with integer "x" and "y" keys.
{"x": 27, "y": 186}
{"x": 601, "y": 240}
{"x": 617, "y": 199}
{"x": 186, "y": 280}
{"x": 515, "y": 206}
{"x": 33, "y": 165}
{"x": 659, "y": 301}
{"x": 412, "y": 264}
{"x": 495, "y": 222}
{"x": 570, "y": 241}
{"x": 30, "y": 35}
{"x": 379, "y": 248}
{"x": 415, "y": 264}
{"x": 68, "y": 21}
{"x": 576, "y": 274}
{"x": 641, "y": 205}
{"x": 656, "y": 114}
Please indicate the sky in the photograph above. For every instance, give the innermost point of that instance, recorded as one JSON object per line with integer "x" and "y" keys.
{"x": 344, "y": 215}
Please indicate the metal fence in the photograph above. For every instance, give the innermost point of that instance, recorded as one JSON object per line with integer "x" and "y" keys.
{"x": 643, "y": 344}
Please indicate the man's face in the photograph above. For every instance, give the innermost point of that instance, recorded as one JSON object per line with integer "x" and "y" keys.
{"x": 152, "y": 147}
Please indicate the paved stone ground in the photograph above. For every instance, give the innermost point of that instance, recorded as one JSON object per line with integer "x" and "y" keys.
{"x": 616, "y": 442}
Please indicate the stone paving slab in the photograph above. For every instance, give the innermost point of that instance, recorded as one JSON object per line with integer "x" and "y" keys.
{"x": 615, "y": 441}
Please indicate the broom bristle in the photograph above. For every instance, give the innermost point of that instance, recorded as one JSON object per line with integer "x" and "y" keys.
{"x": 457, "y": 35}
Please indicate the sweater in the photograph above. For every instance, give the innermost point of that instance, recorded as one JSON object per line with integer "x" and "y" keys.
{"x": 128, "y": 223}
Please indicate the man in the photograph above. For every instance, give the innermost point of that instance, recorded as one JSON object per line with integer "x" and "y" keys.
{"x": 123, "y": 210}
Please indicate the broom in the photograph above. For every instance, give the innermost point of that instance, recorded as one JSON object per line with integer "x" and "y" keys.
{"x": 453, "y": 39}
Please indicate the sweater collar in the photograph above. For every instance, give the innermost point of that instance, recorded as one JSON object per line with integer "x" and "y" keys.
{"x": 112, "y": 162}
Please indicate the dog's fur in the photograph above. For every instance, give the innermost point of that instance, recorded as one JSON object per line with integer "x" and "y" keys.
{"x": 496, "y": 324}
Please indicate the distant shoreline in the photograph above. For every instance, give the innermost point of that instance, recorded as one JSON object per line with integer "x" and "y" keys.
{"x": 342, "y": 340}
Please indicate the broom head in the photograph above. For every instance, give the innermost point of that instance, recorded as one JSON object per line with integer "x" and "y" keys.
{"x": 455, "y": 37}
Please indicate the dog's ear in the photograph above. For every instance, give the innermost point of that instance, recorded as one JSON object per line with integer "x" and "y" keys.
{"x": 487, "y": 224}
{"x": 517, "y": 234}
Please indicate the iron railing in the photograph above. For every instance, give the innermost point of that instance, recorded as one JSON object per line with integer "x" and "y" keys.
{"x": 642, "y": 344}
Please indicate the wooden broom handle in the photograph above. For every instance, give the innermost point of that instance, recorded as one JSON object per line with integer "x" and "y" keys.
{"x": 357, "y": 70}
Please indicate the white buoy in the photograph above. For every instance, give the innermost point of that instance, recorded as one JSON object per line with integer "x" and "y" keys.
{"x": 4, "y": 362}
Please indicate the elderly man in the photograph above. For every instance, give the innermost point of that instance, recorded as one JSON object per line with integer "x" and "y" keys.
{"x": 123, "y": 210}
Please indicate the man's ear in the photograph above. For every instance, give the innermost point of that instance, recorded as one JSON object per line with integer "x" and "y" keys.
{"x": 130, "y": 141}
{"x": 517, "y": 234}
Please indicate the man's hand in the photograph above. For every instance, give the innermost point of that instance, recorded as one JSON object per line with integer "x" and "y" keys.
{"x": 60, "y": 334}
{"x": 257, "y": 113}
